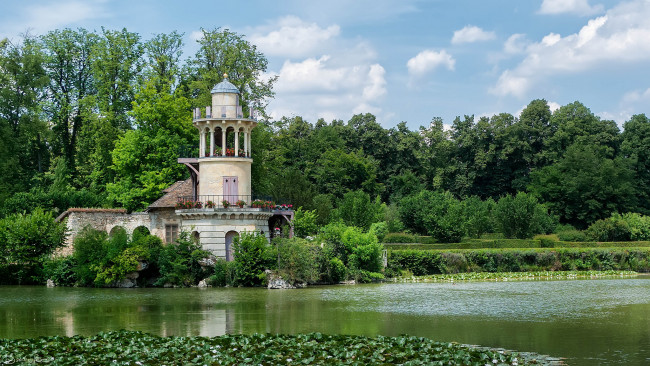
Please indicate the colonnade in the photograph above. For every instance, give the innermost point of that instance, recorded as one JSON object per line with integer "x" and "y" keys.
{"x": 236, "y": 128}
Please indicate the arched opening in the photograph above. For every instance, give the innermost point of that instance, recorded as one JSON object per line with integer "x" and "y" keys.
{"x": 279, "y": 226}
{"x": 230, "y": 141}
{"x": 230, "y": 237}
{"x": 206, "y": 142}
{"x": 196, "y": 237}
{"x": 116, "y": 230}
{"x": 139, "y": 232}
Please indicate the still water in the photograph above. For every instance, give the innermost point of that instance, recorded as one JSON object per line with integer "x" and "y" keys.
{"x": 590, "y": 322}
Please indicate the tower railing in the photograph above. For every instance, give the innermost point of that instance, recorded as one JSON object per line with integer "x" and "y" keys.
{"x": 212, "y": 201}
{"x": 192, "y": 151}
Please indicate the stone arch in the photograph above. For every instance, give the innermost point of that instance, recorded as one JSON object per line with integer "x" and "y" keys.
{"x": 196, "y": 237}
{"x": 230, "y": 236}
{"x": 143, "y": 230}
{"x": 280, "y": 225}
{"x": 116, "y": 230}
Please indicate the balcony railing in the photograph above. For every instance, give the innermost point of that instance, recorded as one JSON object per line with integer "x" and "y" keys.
{"x": 192, "y": 151}
{"x": 231, "y": 201}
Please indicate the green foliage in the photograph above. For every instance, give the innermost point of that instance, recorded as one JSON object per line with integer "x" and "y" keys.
{"x": 478, "y": 216}
{"x": 121, "y": 265}
{"x": 178, "y": 263}
{"x": 428, "y": 262}
{"x": 358, "y": 210}
{"x": 585, "y": 185}
{"x": 298, "y": 260}
{"x": 609, "y": 229}
{"x": 379, "y": 229}
{"x": 363, "y": 250}
{"x": 521, "y": 216}
{"x": 89, "y": 252}
{"x": 337, "y": 271}
{"x": 128, "y": 347}
{"x": 223, "y": 273}
{"x": 323, "y": 207}
{"x": 253, "y": 255}
{"x": 437, "y": 214}
{"x": 61, "y": 270}
{"x": 572, "y": 235}
{"x": 26, "y": 241}
{"x": 638, "y": 224}
{"x": 304, "y": 223}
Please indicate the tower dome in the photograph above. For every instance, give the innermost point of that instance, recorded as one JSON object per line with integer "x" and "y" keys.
{"x": 225, "y": 87}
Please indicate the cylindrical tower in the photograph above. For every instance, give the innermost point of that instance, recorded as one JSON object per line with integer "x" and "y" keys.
{"x": 225, "y": 146}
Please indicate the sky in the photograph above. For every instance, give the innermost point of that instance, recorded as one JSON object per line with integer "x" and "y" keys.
{"x": 406, "y": 60}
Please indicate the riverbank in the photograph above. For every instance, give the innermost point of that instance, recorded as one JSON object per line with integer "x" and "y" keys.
{"x": 138, "y": 348}
{"x": 514, "y": 276}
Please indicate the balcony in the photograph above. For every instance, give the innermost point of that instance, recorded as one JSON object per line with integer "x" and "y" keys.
{"x": 231, "y": 202}
{"x": 190, "y": 154}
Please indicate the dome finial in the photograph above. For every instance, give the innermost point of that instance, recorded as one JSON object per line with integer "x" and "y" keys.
{"x": 225, "y": 75}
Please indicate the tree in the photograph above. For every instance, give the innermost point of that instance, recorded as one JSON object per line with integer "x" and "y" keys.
{"x": 521, "y": 216}
{"x": 358, "y": 210}
{"x": 26, "y": 241}
{"x": 67, "y": 64}
{"x": 225, "y": 52}
{"x": 23, "y": 152}
{"x": 585, "y": 185}
{"x": 163, "y": 54}
{"x": 636, "y": 147}
{"x": 337, "y": 172}
{"x": 144, "y": 160}
{"x": 438, "y": 214}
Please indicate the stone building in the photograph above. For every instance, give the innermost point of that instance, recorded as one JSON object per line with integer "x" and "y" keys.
{"x": 216, "y": 203}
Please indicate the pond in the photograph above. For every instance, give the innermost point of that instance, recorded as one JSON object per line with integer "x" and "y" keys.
{"x": 604, "y": 322}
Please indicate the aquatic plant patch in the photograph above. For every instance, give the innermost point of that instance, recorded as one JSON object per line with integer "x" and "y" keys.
{"x": 513, "y": 276}
{"x": 137, "y": 348}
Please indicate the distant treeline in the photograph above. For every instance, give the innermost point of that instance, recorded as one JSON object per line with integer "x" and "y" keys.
{"x": 96, "y": 119}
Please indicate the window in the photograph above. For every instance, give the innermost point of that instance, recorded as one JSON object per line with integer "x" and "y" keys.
{"x": 171, "y": 233}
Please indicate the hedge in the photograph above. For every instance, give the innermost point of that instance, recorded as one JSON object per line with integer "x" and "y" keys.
{"x": 515, "y": 243}
{"x": 429, "y": 262}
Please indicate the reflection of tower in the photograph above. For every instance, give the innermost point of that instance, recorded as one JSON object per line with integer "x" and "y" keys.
{"x": 222, "y": 205}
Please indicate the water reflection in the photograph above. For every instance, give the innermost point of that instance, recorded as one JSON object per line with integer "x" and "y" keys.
{"x": 591, "y": 322}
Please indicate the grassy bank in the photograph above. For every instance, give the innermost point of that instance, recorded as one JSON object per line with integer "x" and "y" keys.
{"x": 433, "y": 262}
{"x": 539, "y": 242}
{"x": 136, "y": 348}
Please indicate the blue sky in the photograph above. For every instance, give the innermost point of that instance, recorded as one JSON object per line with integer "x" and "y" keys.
{"x": 403, "y": 60}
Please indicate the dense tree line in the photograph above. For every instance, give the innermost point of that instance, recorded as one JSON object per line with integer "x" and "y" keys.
{"x": 95, "y": 118}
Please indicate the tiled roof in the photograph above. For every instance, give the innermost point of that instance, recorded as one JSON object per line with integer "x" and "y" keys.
{"x": 172, "y": 193}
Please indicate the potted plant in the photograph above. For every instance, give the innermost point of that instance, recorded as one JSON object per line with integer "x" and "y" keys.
{"x": 225, "y": 203}
{"x": 198, "y": 204}
{"x": 241, "y": 203}
{"x": 209, "y": 204}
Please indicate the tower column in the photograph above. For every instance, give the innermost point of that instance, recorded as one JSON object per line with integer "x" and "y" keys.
{"x": 211, "y": 142}
{"x": 223, "y": 141}
{"x": 201, "y": 145}
{"x": 250, "y": 146}
{"x": 245, "y": 143}
{"x": 237, "y": 142}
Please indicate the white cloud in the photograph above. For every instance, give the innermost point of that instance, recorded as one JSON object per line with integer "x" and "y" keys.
{"x": 471, "y": 33}
{"x": 41, "y": 18}
{"x": 316, "y": 88}
{"x": 579, "y": 7}
{"x": 293, "y": 38}
{"x": 428, "y": 60}
{"x": 620, "y": 37}
{"x": 516, "y": 43}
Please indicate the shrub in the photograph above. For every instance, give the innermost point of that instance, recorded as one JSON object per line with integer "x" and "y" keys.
{"x": 379, "y": 229}
{"x": 89, "y": 252}
{"x": 223, "y": 273}
{"x": 609, "y": 230}
{"x": 478, "y": 216}
{"x": 521, "y": 216}
{"x": 364, "y": 252}
{"x": 253, "y": 255}
{"x": 572, "y": 235}
{"x": 26, "y": 242}
{"x": 304, "y": 223}
{"x": 638, "y": 224}
{"x": 61, "y": 270}
{"x": 433, "y": 213}
{"x": 298, "y": 260}
{"x": 117, "y": 269}
{"x": 358, "y": 210}
{"x": 337, "y": 271}
{"x": 179, "y": 263}
{"x": 399, "y": 238}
